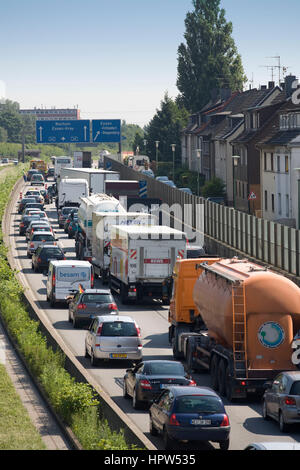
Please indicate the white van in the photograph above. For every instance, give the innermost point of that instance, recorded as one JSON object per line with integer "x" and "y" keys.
{"x": 64, "y": 278}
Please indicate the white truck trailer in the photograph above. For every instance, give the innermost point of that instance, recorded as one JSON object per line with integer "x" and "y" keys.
{"x": 96, "y": 202}
{"x": 70, "y": 191}
{"x": 95, "y": 178}
{"x": 101, "y": 237}
{"x": 142, "y": 259}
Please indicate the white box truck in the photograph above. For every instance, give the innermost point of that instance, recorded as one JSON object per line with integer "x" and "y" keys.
{"x": 95, "y": 178}
{"x": 70, "y": 191}
{"x": 142, "y": 259}
{"x": 60, "y": 163}
{"x": 101, "y": 237}
{"x": 96, "y": 202}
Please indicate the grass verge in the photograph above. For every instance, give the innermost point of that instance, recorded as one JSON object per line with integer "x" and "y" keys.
{"x": 74, "y": 402}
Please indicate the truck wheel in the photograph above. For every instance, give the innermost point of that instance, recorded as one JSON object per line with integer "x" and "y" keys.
{"x": 228, "y": 385}
{"x": 222, "y": 377}
{"x": 214, "y": 373}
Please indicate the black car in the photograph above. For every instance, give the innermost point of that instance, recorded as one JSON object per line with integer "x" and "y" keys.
{"x": 25, "y": 201}
{"x": 147, "y": 380}
{"x": 25, "y": 221}
{"x": 44, "y": 253}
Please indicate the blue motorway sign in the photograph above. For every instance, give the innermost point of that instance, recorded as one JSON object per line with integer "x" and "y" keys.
{"x": 106, "y": 130}
{"x": 61, "y": 132}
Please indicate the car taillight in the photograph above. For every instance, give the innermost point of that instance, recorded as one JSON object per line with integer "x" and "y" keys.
{"x": 138, "y": 330}
{"x": 113, "y": 307}
{"x": 173, "y": 420}
{"x": 53, "y": 279}
{"x": 92, "y": 280}
{"x": 31, "y": 245}
{"x": 290, "y": 401}
{"x": 99, "y": 329}
{"x": 146, "y": 384}
{"x": 225, "y": 421}
{"x": 192, "y": 383}
{"x": 81, "y": 306}
{"x": 39, "y": 260}
{"x": 21, "y": 224}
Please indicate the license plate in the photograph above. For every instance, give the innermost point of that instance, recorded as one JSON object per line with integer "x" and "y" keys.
{"x": 165, "y": 385}
{"x": 131, "y": 294}
{"x": 201, "y": 422}
{"x": 118, "y": 356}
{"x": 251, "y": 390}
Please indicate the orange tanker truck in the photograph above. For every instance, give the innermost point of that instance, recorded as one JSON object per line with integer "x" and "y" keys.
{"x": 236, "y": 319}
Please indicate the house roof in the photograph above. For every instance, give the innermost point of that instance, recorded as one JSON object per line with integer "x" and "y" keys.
{"x": 283, "y": 137}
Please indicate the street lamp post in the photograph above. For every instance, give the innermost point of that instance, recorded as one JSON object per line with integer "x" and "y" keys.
{"x": 145, "y": 145}
{"x": 235, "y": 162}
{"x": 198, "y": 151}
{"x": 173, "y": 150}
{"x": 156, "y": 158}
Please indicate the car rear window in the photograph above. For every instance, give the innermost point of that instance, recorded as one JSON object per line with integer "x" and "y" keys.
{"x": 96, "y": 298}
{"x": 198, "y": 404}
{"x": 163, "y": 368}
{"x": 51, "y": 252}
{"x": 66, "y": 211}
{"x": 37, "y": 238}
{"x": 119, "y": 329}
{"x": 295, "y": 388}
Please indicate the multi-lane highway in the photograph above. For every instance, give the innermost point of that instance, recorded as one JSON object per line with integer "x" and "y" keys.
{"x": 247, "y": 424}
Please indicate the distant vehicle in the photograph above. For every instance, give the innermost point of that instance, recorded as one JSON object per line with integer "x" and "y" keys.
{"x": 43, "y": 254}
{"x": 35, "y": 193}
{"x": 33, "y": 205}
{"x": 37, "y": 178}
{"x": 162, "y": 178}
{"x": 113, "y": 338}
{"x": 73, "y": 214}
{"x": 186, "y": 190}
{"x": 4, "y": 160}
{"x": 25, "y": 221}
{"x": 70, "y": 191}
{"x": 64, "y": 278}
{"x": 146, "y": 381}
{"x": 62, "y": 162}
{"x": 170, "y": 183}
{"x": 281, "y": 400}
{"x": 139, "y": 162}
{"x": 39, "y": 227}
{"x": 50, "y": 173}
{"x": 273, "y": 446}
{"x": 24, "y": 201}
{"x": 72, "y": 227}
{"x": 92, "y": 302}
{"x": 193, "y": 251}
{"x": 148, "y": 173}
{"x": 190, "y": 414}
{"x": 216, "y": 199}
{"x": 15, "y": 162}
{"x": 39, "y": 238}
{"x": 63, "y": 215}
{"x": 39, "y": 165}
{"x": 30, "y": 173}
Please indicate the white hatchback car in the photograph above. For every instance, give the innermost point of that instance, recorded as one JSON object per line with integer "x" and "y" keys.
{"x": 113, "y": 338}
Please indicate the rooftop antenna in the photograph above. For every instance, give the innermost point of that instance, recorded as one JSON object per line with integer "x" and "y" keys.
{"x": 272, "y": 67}
{"x": 279, "y": 67}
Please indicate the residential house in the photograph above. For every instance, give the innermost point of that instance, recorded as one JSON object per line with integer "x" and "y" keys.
{"x": 280, "y": 164}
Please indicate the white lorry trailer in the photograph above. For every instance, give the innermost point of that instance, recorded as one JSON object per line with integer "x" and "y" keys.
{"x": 95, "y": 178}
{"x": 101, "y": 241}
{"x": 70, "y": 191}
{"x": 96, "y": 202}
{"x": 60, "y": 163}
{"x": 142, "y": 258}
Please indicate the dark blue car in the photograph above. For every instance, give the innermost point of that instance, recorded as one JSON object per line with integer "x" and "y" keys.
{"x": 190, "y": 414}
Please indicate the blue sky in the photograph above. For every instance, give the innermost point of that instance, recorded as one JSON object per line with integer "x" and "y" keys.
{"x": 116, "y": 59}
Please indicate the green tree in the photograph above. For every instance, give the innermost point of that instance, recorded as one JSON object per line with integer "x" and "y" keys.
{"x": 209, "y": 58}
{"x": 165, "y": 127}
{"x": 213, "y": 188}
{"x": 3, "y": 134}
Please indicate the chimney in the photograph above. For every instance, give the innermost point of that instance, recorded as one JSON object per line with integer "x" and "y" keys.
{"x": 289, "y": 88}
{"x": 263, "y": 87}
{"x": 271, "y": 85}
{"x": 225, "y": 94}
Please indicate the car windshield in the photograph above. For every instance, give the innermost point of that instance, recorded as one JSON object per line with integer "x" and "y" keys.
{"x": 42, "y": 237}
{"x": 165, "y": 368}
{"x": 199, "y": 404}
{"x": 96, "y": 298}
{"x": 119, "y": 329}
{"x": 295, "y": 388}
{"x": 51, "y": 252}
{"x": 66, "y": 210}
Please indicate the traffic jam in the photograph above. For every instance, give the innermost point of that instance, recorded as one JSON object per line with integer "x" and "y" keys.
{"x": 230, "y": 318}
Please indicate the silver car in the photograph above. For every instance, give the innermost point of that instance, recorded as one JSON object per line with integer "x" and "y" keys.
{"x": 115, "y": 337}
{"x": 39, "y": 238}
{"x": 281, "y": 400}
